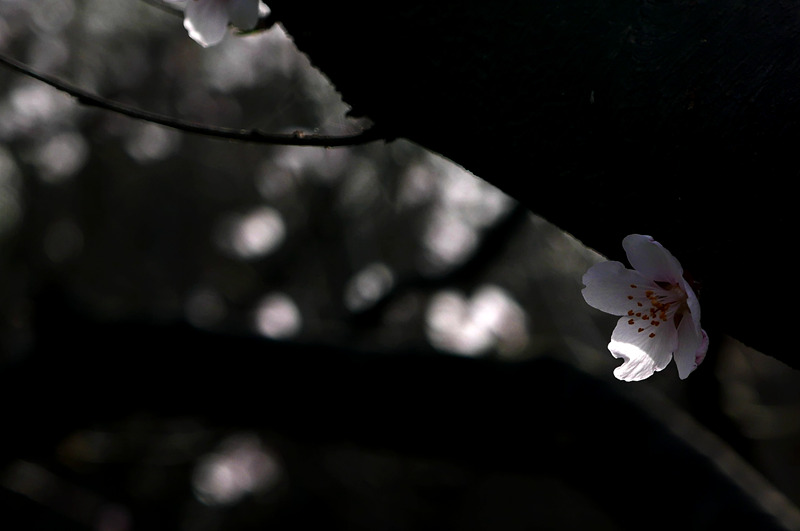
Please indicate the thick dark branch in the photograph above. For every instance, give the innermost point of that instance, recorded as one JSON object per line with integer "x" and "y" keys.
{"x": 297, "y": 138}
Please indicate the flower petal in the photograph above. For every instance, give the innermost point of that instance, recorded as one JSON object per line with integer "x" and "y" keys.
{"x": 608, "y": 286}
{"x": 692, "y": 347}
{"x": 645, "y": 349}
{"x": 692, "y": 302}
{"x": 243, "y": 13}
{"x": 700, "y": 354}
{"x": 206, "y": 21}
{"x": 651, "y": 259}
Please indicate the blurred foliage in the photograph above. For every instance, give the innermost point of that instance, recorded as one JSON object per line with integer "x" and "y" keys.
{"x": 385, "y": 247}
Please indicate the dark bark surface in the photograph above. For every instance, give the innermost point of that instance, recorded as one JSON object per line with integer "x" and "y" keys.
{"x": 674, "y": 118}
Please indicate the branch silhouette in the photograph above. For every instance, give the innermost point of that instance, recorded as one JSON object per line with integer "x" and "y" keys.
{"x": 297, "y": 138}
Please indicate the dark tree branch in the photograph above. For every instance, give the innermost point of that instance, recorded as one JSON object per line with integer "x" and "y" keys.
{"x": 297, "y": 138}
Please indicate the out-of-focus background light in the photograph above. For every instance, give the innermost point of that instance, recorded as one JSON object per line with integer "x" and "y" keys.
{"x": 489, "y": 320}
{"x": 241, "y": 465}
{"x": 278, "y": 317}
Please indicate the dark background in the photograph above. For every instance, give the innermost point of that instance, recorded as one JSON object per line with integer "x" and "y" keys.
{"x": 198, "y": 334}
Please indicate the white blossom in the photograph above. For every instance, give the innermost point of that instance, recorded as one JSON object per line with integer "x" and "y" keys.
{"x": 659, "y": 311}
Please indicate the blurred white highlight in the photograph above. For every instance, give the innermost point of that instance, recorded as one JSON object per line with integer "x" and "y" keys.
{"x": 368, "y": 286}
{"x": 150, "y": 142}
{"x": 61, "y": 157}
{"x": 278, "y": 317}
{"x": 464, "y": 206}
{"x": 252, "y": 235}
{"x": 447, "y": 242}
{"x": 490, "y": 320}
{"x": 239, "y": 466}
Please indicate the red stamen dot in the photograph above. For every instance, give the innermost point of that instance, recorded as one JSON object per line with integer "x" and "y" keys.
{"x": 630, "y": 297}
{"x": 630, "y": 312}
{"x": 652, "y": 335}
{"x": 633, "y": 286}
{"x": 641, "y": 330}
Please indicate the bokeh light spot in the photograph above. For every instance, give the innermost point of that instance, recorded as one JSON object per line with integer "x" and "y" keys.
{"x": 239, "y": 466}
{"x": 32, "y": 105}
{"x": 368, "y": 286}
{"x": 60, "y": 157}
{"x": 252, "y": 235}
{"x": 150, "y": 143}
{"x": 447, "y": 242}
{"x": 278, "y": 317}
{"x": 450, "y": 328}
{"x": 489, "y": 320}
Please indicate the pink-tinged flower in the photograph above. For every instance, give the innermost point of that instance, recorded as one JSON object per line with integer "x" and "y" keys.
{"x": 207, "y": 20}
{"x": 659, "y": 312}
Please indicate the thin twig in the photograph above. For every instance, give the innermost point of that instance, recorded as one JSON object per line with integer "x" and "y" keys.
{"x": 297, "y": 138}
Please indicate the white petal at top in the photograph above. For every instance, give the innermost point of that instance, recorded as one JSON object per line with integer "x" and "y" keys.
{"x": 652, "y": 260}
{"x": 206, "y": 20}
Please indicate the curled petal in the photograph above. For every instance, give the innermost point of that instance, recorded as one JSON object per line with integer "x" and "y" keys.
{"x": 692, "y": 303}
{"x": 645, "y": 350}
{"x": 700, "y": 354}
{"x": 206, "y": 21}
{"x": 692, "y": 347}
{"x": 651, "y": 259}
{"x": 608, "y": 286}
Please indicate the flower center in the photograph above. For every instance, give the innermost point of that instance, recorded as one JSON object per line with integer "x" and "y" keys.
{"x": 654, "y": 307}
